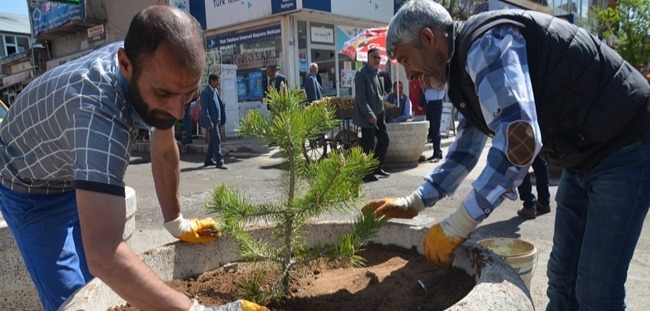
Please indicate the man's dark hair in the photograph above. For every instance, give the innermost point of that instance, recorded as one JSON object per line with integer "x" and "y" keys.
{"x": 273, "y": 68}
{"x": 213, "y": 77}
{"x": 372, "y": 51}
{"x": 163, "y": 24}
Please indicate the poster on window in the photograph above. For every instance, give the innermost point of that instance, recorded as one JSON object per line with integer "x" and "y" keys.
{"x": 347, "y": 77}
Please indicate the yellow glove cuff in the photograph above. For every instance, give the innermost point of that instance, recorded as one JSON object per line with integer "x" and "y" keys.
{"x": 459, "y": 223}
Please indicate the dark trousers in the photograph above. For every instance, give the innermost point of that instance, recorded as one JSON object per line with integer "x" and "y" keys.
{"x": 187, "y": 124}
{"x": 214, "y": 146}
{"x": 368, "y": 136}
{"x": 541, "y": 185}
{"x": 433, "y": 110}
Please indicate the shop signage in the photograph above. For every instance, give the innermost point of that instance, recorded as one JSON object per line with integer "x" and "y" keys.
{"x": 50, "y": 15}
{"x": 96, "y": 33}
{"x": 280, "y": 6}
{"x": 322, "y": 35}
{"x": 255, "y": 59}
{"x": 219, "y": 13}
{"x": 236, "y": 38}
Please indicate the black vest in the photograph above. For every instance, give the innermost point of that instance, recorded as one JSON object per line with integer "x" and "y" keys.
{"x": 589, "y": 101}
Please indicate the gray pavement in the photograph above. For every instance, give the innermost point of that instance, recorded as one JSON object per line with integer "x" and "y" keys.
{"x": 254, "y": 170}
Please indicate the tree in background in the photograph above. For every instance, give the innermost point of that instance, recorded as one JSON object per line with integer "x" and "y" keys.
{"x": 626, "y": 28}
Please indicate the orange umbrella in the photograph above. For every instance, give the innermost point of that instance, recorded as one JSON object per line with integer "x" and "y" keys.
{"x": 357, "y": 47}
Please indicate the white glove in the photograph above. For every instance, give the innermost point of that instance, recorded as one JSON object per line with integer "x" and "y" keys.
{"x": 402, "y": 207}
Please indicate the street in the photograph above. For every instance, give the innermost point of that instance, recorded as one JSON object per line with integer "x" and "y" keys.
{"x": 254, "y": 170}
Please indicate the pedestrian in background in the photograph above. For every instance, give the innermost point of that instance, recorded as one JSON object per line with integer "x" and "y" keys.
{"x": 313, "y": 89}
{"x": 187, "y": 120}
{"x": 523, "y": 78}
{"x": 399, "y": 99}
{"x": 368, "y": 112}
{"x": 540, "y": 205}
{"x": 212, "y": 118}
{"x": 433, "y": 109}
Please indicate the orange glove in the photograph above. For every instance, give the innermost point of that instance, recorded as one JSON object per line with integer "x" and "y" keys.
{"x": 239, "y": 305}
{"x": 402, "y": 207}
{"x": 188, "y": 230}
{"x": 444, "y": 237}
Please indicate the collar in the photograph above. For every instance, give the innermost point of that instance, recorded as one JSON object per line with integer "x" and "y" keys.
{"x": 451, "y": 46}
{"x": 373, "y": 69}
{"x": 132, "y": 114}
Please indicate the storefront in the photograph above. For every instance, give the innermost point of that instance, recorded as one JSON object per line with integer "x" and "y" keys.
{"x": 244, "y": 37}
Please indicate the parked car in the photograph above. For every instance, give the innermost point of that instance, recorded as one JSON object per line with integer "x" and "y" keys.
{"x": 3, "y": 110}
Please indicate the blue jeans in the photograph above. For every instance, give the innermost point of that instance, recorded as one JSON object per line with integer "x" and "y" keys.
{"x": 214, "y": 146}
{"x": 46, "y": 230}
{"x": 187, "y": 124}
{"x": 600, "y": 214}
{"x": 541, "y": 185}
{"x": 433, "y": 110}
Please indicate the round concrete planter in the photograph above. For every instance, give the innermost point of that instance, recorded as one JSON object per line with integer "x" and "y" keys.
{"x": 498, "y": 286}
{"x": 16, "y": 287}
{"x": 407, "y": 140}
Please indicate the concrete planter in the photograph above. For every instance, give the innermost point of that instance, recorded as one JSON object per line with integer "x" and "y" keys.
{"x": 498, "y": 286}
{"x": 16, "y": 287}
{"x": 407, "y": 140}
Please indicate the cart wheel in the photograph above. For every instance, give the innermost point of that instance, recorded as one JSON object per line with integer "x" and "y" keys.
{"x": 345, "y": 140}
{"x": 315, "y": 149}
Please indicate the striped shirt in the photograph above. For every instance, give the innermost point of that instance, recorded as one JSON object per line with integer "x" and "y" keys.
{"x": 70, "y": 128}
{"x": 498, "y": 65}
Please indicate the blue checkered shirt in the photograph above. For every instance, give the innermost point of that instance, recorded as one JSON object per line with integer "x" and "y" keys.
{"x": 498, "y": 65}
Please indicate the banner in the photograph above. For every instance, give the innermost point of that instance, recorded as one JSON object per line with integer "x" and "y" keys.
{"x": 50, "y": 15}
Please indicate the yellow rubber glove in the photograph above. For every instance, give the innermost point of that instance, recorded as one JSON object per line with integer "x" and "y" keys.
{"x": 444, "y": 237}
{"x": 239, "y": 305}
{"x": 188, "y": 230}
{"x": 402, "y": 207}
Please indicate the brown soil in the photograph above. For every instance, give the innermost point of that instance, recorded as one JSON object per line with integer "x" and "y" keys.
{"x": 389, "y": 281}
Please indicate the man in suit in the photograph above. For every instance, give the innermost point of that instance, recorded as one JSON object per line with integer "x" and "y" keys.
{"x": 277, "y": 80}
{"x": 212, "y": 117}
{"x": 368, "y": 113}
{"x": 312, "y": 87}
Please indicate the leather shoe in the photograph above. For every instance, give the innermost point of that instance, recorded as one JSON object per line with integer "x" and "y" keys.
{"x": 380, "y": 171}
{"x": 208, "y": 163}
{"x": 370, "y": 177}
{"x": 542, "y": 208}
{"x": 434, "y": 158}
{"x": 528, "y": 213}
{"x": 222, "y": 166}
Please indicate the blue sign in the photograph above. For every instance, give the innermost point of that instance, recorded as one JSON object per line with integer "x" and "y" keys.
{"x": 239, "y": 37}
{"x": 50, "y": 15}
{"x": 280, "y": 6}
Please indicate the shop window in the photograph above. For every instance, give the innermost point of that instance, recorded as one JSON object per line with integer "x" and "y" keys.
{"x": 252, "y": 50}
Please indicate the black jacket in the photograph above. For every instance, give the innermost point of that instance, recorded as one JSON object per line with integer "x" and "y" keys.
{"x": 589, "y": 101}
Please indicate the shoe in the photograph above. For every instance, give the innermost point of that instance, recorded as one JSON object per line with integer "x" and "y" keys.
{"x": 209, "y": 163}
{"x": 222, "y": 166}
{"x": 528, "y": 213}
{"x": 435, "y": 158}
{"x": 542, "y": 208}
{"x": 381, "y": 172}
{"x": 370, "y": 177}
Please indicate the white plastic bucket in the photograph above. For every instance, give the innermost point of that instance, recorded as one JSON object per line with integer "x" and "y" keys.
{"x": 521, "y": 255}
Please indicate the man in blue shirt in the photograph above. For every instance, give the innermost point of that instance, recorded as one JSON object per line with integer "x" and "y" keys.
{"x": 399, "y": 99}
{"x": 535, "y": 84}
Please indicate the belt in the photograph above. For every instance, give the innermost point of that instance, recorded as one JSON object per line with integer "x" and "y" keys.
{"x": 434, "y": 101}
